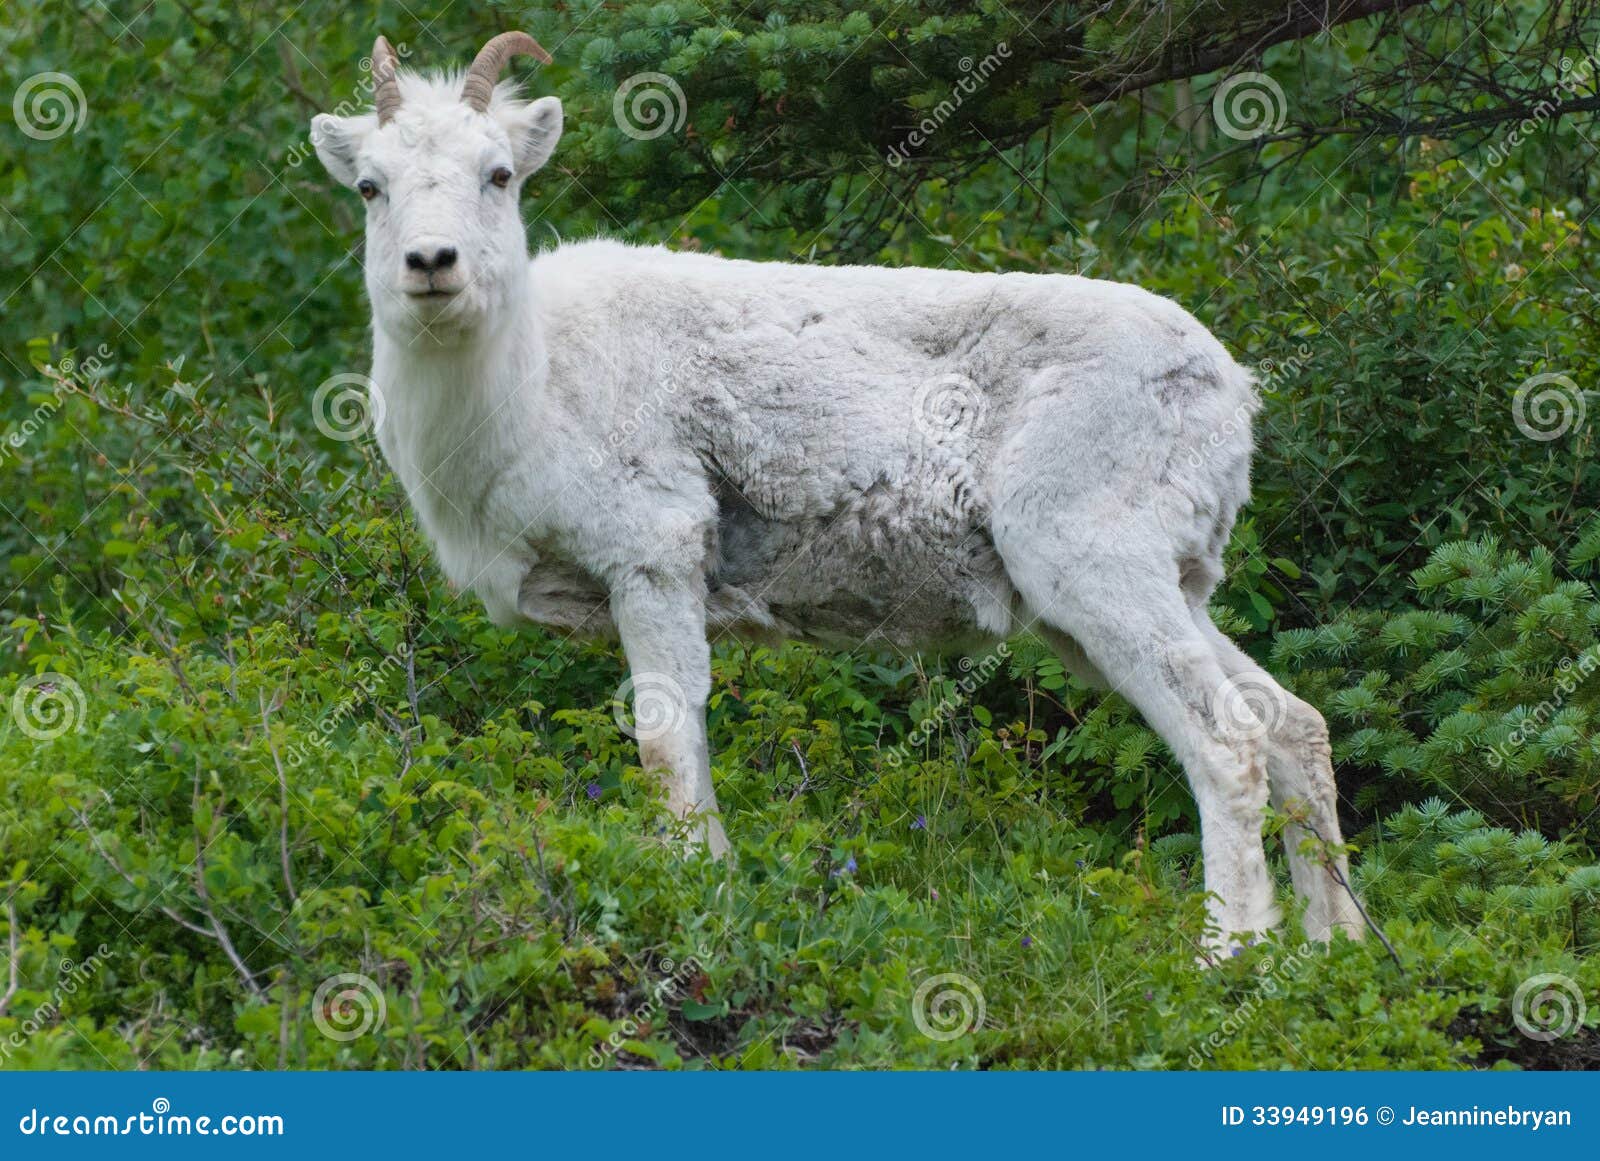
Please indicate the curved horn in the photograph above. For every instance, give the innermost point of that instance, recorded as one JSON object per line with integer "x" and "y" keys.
{"x": 386, "y": 89}
{"x": 491, "y": 61}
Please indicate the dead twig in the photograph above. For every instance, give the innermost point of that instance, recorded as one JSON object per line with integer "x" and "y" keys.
{"x": 283, "y": 799}
{"x": 215, "y": 933}
{"x": 805, "y": 775}
{"x": 1325, "y": 857}
{"x": 15, "y": 962}
{"x": 218, "y": 931}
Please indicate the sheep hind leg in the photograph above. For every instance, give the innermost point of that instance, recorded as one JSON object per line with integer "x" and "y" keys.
{"x": 1300, "y": 777}
{"x": 1112, "y": 596}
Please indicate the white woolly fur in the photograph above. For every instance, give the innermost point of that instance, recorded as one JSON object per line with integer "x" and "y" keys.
{"x": 668, "y": 446}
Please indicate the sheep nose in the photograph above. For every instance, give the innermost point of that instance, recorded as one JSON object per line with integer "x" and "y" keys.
{"x": 431, "y": 259}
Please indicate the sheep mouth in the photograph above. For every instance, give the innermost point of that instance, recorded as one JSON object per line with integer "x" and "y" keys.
{"x": 432, "y": 292}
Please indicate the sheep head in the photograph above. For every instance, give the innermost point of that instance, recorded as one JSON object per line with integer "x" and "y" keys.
{"x": 440, "y": 162}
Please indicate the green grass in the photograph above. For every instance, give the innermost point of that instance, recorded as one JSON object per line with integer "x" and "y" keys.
{"x": 505, "y": 882}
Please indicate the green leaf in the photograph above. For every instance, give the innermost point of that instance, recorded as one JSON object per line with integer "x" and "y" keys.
{"x": 694, "y": 1010}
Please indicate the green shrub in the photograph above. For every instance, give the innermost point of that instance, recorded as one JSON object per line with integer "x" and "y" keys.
{"x": 269, "y": 778}
{"x": 1489, "y": 695}
{"x": 381, "y": 815}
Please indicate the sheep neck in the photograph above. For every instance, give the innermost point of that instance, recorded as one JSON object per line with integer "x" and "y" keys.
{"x": 464, "y": 404}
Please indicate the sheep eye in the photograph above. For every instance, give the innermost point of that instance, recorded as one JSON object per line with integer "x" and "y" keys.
{"x": 501, "y": 176}
{"x": 367, "y": 188}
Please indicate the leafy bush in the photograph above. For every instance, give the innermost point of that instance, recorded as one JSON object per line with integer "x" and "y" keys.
{"x": 508, "y": 916}
{"x": 371, "y": 811}
{"x": 268, "y": 782}
{"x": 1489, "y": 695}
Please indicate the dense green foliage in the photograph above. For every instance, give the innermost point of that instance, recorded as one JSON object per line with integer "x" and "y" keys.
{"x": 290, "y": 754}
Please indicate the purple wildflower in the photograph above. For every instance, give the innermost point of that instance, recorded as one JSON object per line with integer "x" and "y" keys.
{"x": 1027, "y": 941}
{"x": 592, "y": 790}
{"x": 921, "y": 823}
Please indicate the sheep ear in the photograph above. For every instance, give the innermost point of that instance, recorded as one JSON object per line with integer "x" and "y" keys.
{"x": 535, "y": 128}
{"x": 338, "y": 141}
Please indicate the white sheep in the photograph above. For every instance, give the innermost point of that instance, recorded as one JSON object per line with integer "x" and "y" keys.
{"x": 671, "y": 446}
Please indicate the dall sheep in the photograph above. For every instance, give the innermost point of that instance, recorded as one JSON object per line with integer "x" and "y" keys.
{"x": 672, "y": 446}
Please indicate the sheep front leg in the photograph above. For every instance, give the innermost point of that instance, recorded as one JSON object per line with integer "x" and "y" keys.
{"x": 663, "y": 630}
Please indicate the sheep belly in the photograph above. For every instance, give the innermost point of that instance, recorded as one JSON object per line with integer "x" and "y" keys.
{"x": 841, "y": 583}
{"x": 886, "y": 567}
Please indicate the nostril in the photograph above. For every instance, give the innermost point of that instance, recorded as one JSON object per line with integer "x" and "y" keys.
{"x": 429, "y": 261}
